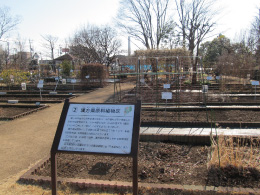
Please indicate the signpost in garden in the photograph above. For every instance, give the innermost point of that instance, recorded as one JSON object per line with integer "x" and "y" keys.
{"x": 40, "y": 86}
{"x": 97, "y": 129}
{"x": 166, "y": 95}
{"x": 73, "y": 81}
{"x": 255, "y": 83}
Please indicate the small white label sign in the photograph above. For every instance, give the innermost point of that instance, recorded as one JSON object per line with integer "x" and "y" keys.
{"x": 166, "y": 86}
{"x": 255, "y": 82}
{"x": 142, "y": 80}
{"x": 98, "y": 128}
{"x": 73, "y": 81}
{"x": 209, "y": 78}
{"x": 166, "y": 95}
{"x": 205, "y": 88}
{"x": 40, "y": 85}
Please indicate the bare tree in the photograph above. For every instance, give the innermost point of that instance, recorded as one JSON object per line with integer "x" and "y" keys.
{"x": 147, "y": 21}
{"x": 255, "y": 37}
{"x": 95, "y": 44}
{"x": 7, "y": 21}
{"x": 50, "y": 45}
{"x": 196, "y": 20}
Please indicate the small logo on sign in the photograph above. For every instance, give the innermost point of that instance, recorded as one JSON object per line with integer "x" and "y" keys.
{"x": 128, "y": 110}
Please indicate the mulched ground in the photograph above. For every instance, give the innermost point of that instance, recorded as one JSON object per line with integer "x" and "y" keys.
{"x": 158, "y": 163}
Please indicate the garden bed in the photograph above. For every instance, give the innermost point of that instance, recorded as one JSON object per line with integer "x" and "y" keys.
{"x": 11, "y": 112}
{"x": 160, "y": 163}
{"x": 215, "y": 116}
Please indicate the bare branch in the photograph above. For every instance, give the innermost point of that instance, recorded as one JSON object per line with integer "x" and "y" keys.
{"x": 7, "y": 21}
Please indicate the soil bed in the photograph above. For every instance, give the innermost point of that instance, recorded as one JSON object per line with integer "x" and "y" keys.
{"x": 158, "y": 163}
{"x": 201, "y": 116}
{"x": 12, "y": 111}
{"x": 31, "y": 98}
{"x": 148, "y": 95}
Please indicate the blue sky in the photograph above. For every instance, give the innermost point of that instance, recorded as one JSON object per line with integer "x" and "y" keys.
{"x": 62, "y": 17}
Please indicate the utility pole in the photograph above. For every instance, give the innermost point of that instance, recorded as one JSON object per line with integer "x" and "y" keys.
{"x": 31, "y": 49}
{"x": 129, "y": 46}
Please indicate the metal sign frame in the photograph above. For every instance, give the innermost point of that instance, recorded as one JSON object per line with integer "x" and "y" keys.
{"x": 134, "y": 144}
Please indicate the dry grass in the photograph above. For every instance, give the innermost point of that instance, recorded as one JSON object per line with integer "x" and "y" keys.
{"x": 241, "y": 153}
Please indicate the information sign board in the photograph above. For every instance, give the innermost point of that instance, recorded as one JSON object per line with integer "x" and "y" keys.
{"x": 166, "y": 86}
{"x": 98, "y": 128}
{"x": 105, "y": 129}
{"x": 209, "y": 78}
{"x": 218, "y": 77}
{"x": 73, "y": 81}
{"x": 166, "y": 95}
{"x": 255, "y": 82}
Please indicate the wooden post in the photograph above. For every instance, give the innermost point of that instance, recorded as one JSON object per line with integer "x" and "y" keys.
{"x": 135, "y": 174}
{"x": 53, "y": 173}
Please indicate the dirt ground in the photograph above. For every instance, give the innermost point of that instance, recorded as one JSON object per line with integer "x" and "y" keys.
{"x": 153, "y": 95}
{"x": 11, "y": 111}
{"x": 31, "y": 99}
{"x": 202, "y": 116}
{"x": 158, "y": 163}
{"x": 168, "y": 116}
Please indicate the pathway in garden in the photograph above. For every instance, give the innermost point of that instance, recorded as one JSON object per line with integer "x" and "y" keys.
{"x": 26, "y": 140}
{"x": 200, "y": 131}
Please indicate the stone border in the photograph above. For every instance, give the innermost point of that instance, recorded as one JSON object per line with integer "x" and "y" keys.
{"x": 23, "y": 114}
{"x": 30, "y": 175}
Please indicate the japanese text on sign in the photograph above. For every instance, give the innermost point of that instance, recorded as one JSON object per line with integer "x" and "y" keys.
{"x": 98, "y": 128}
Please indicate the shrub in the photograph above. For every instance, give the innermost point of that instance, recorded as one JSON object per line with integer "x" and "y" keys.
{"x": 13, "y": 76}
{"x": 66, "y": 67}
{"x": 187, "y": 82}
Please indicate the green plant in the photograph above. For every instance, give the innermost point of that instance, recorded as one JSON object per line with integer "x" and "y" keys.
{"x": 13, "y": 76}
{"x": 66, "y": 67}
{"x": 187, "y": 82}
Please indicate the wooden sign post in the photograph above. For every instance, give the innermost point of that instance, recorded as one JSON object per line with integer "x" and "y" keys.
{"x": 97, "y": 129}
